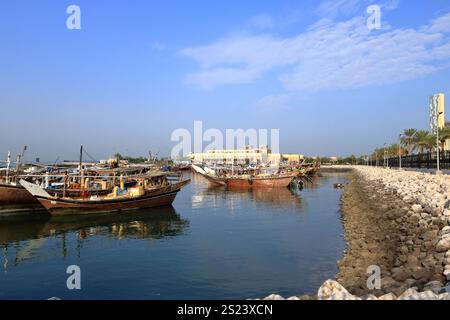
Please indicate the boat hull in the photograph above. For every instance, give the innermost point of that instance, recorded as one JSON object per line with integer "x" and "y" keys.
{"x": 272, "y": 182}
{"x": 16, "y": 199}
{"x": 251, "y": 182}
{"x": 67, "y": 206}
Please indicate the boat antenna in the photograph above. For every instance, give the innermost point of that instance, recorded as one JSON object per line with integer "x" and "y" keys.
{"x": 8, "y": 164}
{"x": 81, "y": 166}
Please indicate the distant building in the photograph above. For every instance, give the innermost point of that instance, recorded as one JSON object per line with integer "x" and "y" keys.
{"x": 248, "y": 155}
{"x": 292, "y": 157}
{"x": 334, "y": 159}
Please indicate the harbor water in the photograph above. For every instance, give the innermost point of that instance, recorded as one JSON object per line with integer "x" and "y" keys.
{"x": 212, "y": 244}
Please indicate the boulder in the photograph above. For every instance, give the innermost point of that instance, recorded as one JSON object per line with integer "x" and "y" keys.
{"x": 388, "y": 296}
{"x": 447, "y": 273}
{"x": 332, "y": 290}
{"x": 416, "y": 208}
{"x": 444, "y": 296}
{"x": 274, "y": 297}
{"x": 434, "y": 286}
{"x": 427, "y": 295}
{"x": 445, "y": 230}
{"x": 407, "y": 293}
{"x": 305, "y": 297}
{"x": 443, "y": 245}
{"x": 369, "y": 297}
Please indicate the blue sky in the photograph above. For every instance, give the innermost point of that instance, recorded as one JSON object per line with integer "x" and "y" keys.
{"x": 137, "y": 70}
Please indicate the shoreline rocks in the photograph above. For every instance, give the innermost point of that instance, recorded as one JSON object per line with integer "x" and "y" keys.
{"x": 332, "y": 290}
{"x": 398, "y": 221}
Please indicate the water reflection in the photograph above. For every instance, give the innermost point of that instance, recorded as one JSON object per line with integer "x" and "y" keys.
{"x": 25, "y": 235}
{"x": 279, "y": 197}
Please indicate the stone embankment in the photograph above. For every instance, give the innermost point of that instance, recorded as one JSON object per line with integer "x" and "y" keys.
{"x": 398, "y": 221}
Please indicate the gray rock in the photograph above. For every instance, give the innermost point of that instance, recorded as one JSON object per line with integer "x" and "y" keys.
{"x": 332, "y": 290}
{"x": 388, "y": 296}
{"x": 443, "y": 245}
{"x": 274, "y": 297}
{"x": 444, "y": 296}
{"x": 407, "y": 293}
{"x": 445, "y": 230}
{"x": 427, "y": 295}
{"x": 434, "y": 286}
{"x": 369, "y": 297}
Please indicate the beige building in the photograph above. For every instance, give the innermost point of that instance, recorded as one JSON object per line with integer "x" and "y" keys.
{"x": 261, "y": 155}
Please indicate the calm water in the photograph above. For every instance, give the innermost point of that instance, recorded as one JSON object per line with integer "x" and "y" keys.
{"x": 213, "y": 244}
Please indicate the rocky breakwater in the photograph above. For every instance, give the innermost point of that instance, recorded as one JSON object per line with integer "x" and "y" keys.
{"x": 332, "y": 290}
{"x": 400, "y": 222}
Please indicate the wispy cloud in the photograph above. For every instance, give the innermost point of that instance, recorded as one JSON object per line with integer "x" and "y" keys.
{"x": 332, "y": 8}
{"x": 158, "y": 46}
{"x": 273, "y": 102}
{"x": 328, "y": 55}
{"x": 262, "y": 22}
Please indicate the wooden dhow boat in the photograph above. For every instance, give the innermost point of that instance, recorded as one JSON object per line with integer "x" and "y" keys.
{"x": 276, "y": 180}
{"x": 150, "y": 191}
{"x": 16, "y": 199}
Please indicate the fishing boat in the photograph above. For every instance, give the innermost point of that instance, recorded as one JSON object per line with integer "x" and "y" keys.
{"x": 16, "y": 199}
{"x": 240, "y": 181}
{"x": 152, "y": 190}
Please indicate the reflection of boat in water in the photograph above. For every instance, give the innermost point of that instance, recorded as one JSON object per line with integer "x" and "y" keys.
{"x": 279, "y": 197}
{"x": 149, "y": 223}
{"x": 21, "y": 238}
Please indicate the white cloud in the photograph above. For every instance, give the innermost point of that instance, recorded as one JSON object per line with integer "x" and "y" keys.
{"x": 332, "y": 8}
{"x": 328, "y": 55}
{"x": 273, "y": 102}
{"x": 441, "y": 24}
{"x": 262, "y": 21}
{"x": 158, "y": 46}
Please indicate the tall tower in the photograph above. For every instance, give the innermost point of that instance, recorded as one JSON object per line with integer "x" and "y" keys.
{"x": 437, "y": 112}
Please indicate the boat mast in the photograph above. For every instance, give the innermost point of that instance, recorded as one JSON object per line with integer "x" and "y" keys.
{"x": 81, "y": 167}
{"x": 8, "y": 164}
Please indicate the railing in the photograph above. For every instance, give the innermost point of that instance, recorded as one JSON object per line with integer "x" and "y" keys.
{"x": 423, "y": 161}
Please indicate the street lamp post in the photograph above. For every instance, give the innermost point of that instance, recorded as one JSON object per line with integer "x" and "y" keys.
{"x": 400, "y": 152}
{"x": 438, "y": 114}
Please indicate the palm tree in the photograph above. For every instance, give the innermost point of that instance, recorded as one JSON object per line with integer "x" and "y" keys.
{"x": 444, "y": 135}
{"x": 407, "y": 139}
{"x": 421, "y": 140}
{"x": 392, "y": 150}
{"x": 378, "y": 154}
{"x": 429, "y": 142}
